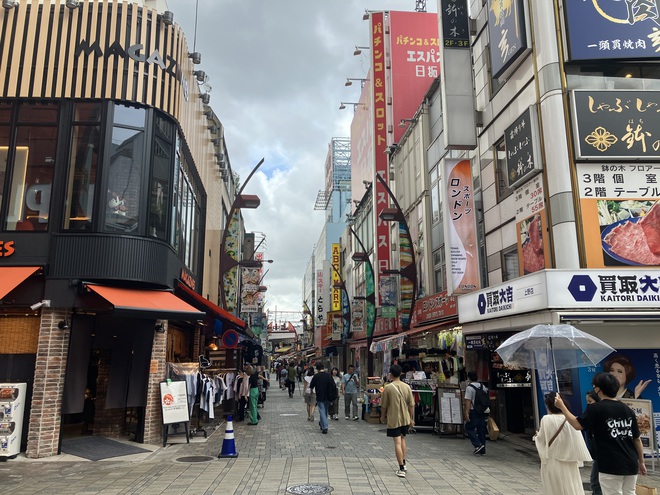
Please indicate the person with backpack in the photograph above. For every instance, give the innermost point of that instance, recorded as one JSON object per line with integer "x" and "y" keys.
{"x": 476, "y": 409}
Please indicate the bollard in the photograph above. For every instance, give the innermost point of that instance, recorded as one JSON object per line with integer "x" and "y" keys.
{"x": 228, "y": 444}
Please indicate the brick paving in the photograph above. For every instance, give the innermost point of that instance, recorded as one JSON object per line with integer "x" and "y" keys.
{"x": 354, "y": 458}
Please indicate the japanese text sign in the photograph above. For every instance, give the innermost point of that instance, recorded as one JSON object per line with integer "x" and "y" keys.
{"x": 455, "y": 25}
{"x": 336, "y": 278}
{"x": 508, "y": 38}
{"x": 523, "y": 157}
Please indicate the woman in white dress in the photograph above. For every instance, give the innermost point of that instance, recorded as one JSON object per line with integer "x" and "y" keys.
{"x": 562, "y": 451}
{"x": 310, "y": 397}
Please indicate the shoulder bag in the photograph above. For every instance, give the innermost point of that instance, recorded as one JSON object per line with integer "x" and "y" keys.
{"x": 557, "y": 433}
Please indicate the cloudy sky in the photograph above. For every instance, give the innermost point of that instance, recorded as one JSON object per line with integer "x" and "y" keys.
{"x": 277, "y": 70}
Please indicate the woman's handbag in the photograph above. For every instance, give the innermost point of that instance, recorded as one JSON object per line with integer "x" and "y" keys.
{"x": 493, "y": 429}
{"x": 558, "y": 431}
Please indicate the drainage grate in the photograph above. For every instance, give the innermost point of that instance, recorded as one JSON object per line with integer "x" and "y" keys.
{"x": 195, "y": 458}
{"x": 309, "y": 489}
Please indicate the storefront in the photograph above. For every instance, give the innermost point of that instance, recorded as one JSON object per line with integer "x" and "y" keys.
{"x": 102, "y": 214}
{"x": 619, "y": 307}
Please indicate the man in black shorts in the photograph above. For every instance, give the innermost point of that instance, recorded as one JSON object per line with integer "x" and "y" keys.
{"x": 397, "y": 410}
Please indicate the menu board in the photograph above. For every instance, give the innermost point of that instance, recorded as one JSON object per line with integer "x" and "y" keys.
{"x": 450, "y": 409}
{"x": 174, "y": 402}
{"x": 643, "y": 409}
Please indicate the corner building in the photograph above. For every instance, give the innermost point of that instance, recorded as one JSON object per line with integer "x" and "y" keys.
{"x": 566, "y": 98}
{"x": 112, "y": 204}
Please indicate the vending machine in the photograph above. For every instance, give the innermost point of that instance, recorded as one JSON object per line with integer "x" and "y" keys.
{"x": 12, "y": 410}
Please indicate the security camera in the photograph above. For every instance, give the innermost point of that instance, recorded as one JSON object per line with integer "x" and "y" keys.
{"x": 44, "y": 303}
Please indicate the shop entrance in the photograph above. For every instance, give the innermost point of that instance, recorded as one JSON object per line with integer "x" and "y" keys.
{"x": 107, "y": 377}
{"x": 516, "y": 410}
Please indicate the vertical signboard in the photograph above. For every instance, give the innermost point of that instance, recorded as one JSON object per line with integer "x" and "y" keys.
{"x": 232, "y": 248}
{"x": 620, "y": 210}
{"x": 336, "y": 279}
{"x": 378, "y": 62}
{"x": 460, "y": 228}
{"x": 455, "y": 23}
{"x": 415, "y": 54}
{"x": 362, "y": 142}
{"x": 406, "y": 266}
{"x": 508, "y": 37}
{"x": 522, "y": 144}
{"x": 321, "y": 308}
{"x": 531, "y": 226}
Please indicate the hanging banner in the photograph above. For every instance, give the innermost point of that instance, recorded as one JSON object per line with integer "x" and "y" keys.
{"x": 230, "y": 277}
{"x": 460, "y": 228}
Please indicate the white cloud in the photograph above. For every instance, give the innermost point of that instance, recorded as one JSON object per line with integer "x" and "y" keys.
{"x": 277, "y": 69}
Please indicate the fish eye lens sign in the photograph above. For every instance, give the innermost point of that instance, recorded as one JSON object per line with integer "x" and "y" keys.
{"x": 606, "y": 29}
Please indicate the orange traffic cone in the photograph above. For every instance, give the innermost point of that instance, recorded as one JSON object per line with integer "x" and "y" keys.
{"x": 228, "y": 445}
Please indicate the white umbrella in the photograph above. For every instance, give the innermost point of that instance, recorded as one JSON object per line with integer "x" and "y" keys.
{"x": 567, "y": 347}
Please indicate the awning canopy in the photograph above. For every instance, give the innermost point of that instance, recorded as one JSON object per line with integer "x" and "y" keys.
{"x": 13, "y": 276}
{"x": 388, "y": 343}
{"x": 200, "y": 302}
{"x": 143, "y": 303}
{"x": 282, "y": 350}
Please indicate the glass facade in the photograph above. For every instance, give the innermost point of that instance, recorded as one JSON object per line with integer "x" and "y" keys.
{"x": 138, "y": 181}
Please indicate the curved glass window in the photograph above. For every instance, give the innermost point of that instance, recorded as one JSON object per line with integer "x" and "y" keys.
{"x": 159, "y": 199}
{"x": 125, "y": 170}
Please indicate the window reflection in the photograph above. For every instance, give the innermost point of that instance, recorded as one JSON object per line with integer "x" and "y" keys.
{"x": 125, "y": 171}
{"x": 160, "y": 179}
{"x": 81, "y": 182}
{"x": 4, "y": 152}
{"x": 32, "y": 178}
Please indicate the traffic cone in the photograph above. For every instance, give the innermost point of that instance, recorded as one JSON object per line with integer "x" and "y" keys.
{"x": 228, "y": 445}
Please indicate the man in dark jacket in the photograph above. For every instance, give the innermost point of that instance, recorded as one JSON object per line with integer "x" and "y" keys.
{"x": 326, "y": 391}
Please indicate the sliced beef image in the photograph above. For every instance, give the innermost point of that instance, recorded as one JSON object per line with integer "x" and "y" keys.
{"x": 533, "y": 259}
{"x": 629, "y": 241}
{"x": 650, "y": 224}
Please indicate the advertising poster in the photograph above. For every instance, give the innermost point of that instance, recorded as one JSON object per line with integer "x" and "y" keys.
{"x": 230, "y": 277}
{"x": 174, "y": 402}
{"x": 381, "y": 165}
{"x": 460, "y": 228}
{"x": 643, "y": 409}
{"x": 531, "y": 227}
{"x": 415, "y": 56}
{"x": 506, "y": 28}
{"x": 643, "y": 365}
{"x": 606, "y": 29}
{"x": 388, "y": 297}
{"x": 620, "y": 211}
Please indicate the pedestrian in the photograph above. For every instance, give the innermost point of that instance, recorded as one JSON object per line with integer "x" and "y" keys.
{"x": 291, "y": 379}
{"x": 326, "y": 391}
{"x": 334, "y": 405}
{"x": 264, "y": 384}
{"x": 310, "y": 397}
{"x": 242, "y": 391}
{"x": 300, "y": 370}
{"x": 283, "y": 374}
{"x": 562, "y": 451}
{"x": 475, "y": 427}
{"x": 594, "y": 484}
{"x": 349, "y": 388}
{"x": 253, "y": 378}
{"x": 397, "y": 408}
{"x": 619, "y": 451}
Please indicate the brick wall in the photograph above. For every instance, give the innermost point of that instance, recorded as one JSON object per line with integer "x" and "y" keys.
{"x": 107, "y": 422}
{"x": 49, "y": 374}
{"x": 153, "y": 417}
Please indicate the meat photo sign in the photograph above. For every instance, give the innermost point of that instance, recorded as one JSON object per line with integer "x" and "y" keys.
{"x": 531, "y": 227}
{"x": 620, "y": 206}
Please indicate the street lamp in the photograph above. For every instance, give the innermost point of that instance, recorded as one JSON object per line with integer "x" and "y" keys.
{"x": 228, "y": 245}
{"x": 369, "y": 297}
{"x": 407, "y": 269}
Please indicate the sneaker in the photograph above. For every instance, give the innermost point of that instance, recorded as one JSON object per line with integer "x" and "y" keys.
{"x": 355, "y": 418}
{"x": 405, "y": 467}
{"x": 479, "y": 449}
{"x": 348, "y": 417}
{"x": 325, "y": 432}
{"x": 400, "y": 473}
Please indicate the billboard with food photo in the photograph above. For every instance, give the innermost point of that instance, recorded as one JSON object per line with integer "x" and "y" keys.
{"x": 531, "y": 225}
{"x": 620, "y": 214}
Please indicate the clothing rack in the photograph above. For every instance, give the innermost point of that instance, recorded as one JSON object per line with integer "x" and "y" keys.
{"x": 422, "y": 387}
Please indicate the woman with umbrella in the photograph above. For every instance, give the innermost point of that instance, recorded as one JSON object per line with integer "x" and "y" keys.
{"x": 562, "y": 451}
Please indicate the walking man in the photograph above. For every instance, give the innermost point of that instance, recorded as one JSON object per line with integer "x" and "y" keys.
{"x": 475, "y": 427}
{"x": 325, "y": 389}
{"x": 397, "y": 409}
{"x": 291, "y": 379}
{"x": 349, "y": 387}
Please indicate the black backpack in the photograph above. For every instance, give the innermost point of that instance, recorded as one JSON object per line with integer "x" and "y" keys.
{"x": 481, "y": 402}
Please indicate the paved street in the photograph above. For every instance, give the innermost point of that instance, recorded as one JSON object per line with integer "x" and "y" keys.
{"x": 284, "y": 450}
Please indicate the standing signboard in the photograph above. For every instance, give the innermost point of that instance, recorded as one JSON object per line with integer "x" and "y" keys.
{"x": 174, "y": 405}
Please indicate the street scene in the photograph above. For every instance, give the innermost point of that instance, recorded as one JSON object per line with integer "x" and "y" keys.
{"x": 286, "y": 450}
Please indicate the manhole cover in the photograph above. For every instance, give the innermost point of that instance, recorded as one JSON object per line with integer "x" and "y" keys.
{"x": 195, "y": 458}
{"x": 309, "y": 488}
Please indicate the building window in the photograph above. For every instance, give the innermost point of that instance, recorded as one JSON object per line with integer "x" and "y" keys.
{"x": 503, "y": 189}
{"x": 510, "y": 266}
{"x": 162, "y": 167}
{"x": 125, "y": 171}
{"x": 82, "y": 176}
{"x": 33, "y": 164}
{"x": 440, "y": 269}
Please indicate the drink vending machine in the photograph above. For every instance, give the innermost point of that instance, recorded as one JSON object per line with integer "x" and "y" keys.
{"x": 12, "y": 410}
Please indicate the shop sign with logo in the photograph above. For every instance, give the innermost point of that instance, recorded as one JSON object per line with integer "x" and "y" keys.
{"x": 616, "y": 124}
{"x": 436, "y": 307}
{"x": 508, "y": 36}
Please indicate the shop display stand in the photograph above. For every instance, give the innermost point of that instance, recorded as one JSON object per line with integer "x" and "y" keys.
{"x": 374, "y": 395}
{"x": 449, "y": 411}
{"x": 422, "y": 387}
{"x": 12, "y": 407}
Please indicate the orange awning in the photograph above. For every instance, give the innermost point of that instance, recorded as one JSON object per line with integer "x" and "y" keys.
{"x": 216, "y": 310}
{"x": 144, "y": 303}
{"x": 13, "y": 276}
